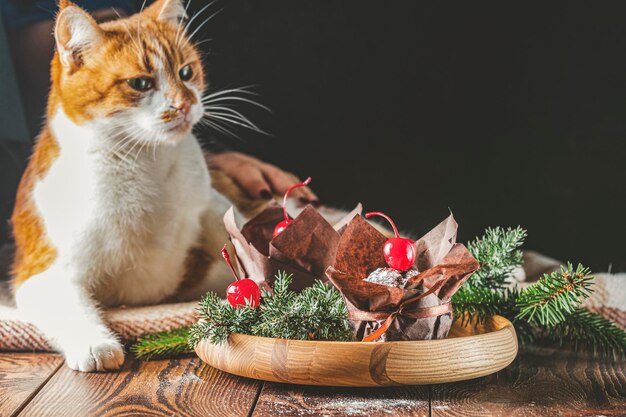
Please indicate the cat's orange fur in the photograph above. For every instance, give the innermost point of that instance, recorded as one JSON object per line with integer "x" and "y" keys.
{"x": 96, "y": 89}
{"x": 34, "y": 253}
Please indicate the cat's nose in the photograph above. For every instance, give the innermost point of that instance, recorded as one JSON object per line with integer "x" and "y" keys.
{"x": 183, "y": 107}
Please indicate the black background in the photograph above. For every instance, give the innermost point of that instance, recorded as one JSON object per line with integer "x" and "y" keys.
{"x": 508, "y": 114}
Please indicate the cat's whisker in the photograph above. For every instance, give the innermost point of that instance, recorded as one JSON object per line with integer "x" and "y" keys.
{"x": 125, "y": 141}
{"x": 139, "y": 16}
{"x": 225, "y": 94}
{"x": 214, "y": 125}
{"x": 119, "y": 152}
{"x": 133, "y": 136}
{"x": 131, "y": 149}
{"x": 202, "y": 24}
{"x": 225, "y": 118}
{"x": 232, "y": 114}
{"x": 155, "y": 144}
{"x": 232, "y": 90}
{"x": 126, "y": 127}
{"x": 120, "y": 144}
{"x": 200, "y": 42}
{"x": 125, "y": 157}
{"x": 143, "y": 144}
{"x": 225, "y": 97}
{"x": 126, "y": 27}
{"x": 136, "y": 136}
{"x": 234, "y": 98}
{"x": 180, "y": 22}
{"x": 198, "y": 13}
{"x": 115, "y": 153}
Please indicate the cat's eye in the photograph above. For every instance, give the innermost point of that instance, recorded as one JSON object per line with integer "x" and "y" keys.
{"x": 185, "y": 73}
{"x": 141, "y": 83}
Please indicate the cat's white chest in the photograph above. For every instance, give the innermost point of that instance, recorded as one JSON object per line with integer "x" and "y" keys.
{"x": 66, "y": 196}
{"x": 125, "y": 228}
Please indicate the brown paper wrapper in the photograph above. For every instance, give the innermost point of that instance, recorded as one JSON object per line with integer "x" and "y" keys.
{"x": 305, "y": 249}
{"x": 419, "y": 311}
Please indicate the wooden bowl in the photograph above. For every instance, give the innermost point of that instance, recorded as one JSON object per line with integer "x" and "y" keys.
{"x": 468, "y": 352}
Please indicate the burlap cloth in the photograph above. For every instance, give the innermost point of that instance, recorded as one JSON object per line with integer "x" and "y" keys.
{"x": 128, "y": 323}
{"x": 609, "y": 299}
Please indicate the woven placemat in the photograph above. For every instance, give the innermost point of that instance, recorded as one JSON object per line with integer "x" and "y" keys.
{"x": 127, "y": 323}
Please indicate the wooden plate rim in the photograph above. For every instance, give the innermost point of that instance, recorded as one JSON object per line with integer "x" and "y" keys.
{"x": 463, "y": 363}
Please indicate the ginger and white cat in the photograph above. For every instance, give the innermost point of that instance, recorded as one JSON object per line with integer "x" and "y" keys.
{"x": 116, "y": 205}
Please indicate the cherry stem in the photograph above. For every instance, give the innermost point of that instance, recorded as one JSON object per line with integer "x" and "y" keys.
{"x": 227, "y": 259}
{"x": 378, "y": 213}
{"x": 302, "y": 184}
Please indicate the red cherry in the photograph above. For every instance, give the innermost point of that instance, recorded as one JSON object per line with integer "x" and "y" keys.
{"x": 243, "y": 291}
{"x": 283, "y": 224}
{"x": 399, "y": 252}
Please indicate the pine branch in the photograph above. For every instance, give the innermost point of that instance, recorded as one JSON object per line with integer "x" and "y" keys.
{"x": 277, "y": 309}
{"x": 323, "y": 313}
{"x": 554, "y": 296}
{"x": 587, "y": 330}
{"x": 280, "y": 288}
{"x": 162, "y": 345}
{"x": 498, "y": 252}
{"x": 484, "y": 294}
{"x": 478, "y": 304}
{"x": 474, "y": 305}
{"x": 547, "y": 309}
{"x": 218, "y": 319}
{"x": 318, "y": 312}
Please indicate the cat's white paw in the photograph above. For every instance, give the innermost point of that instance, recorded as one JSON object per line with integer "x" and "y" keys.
{"x": 103, "y": 355}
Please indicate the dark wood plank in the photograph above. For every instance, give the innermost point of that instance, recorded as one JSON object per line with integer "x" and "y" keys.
{"x": 176, "y": 387}
{"x": 541, "y": 382}
{"x": 290, "y": 400}
{"x": 21, "y": 376}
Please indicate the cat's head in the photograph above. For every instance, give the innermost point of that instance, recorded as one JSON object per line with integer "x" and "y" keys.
{"x": 141, "y": 75}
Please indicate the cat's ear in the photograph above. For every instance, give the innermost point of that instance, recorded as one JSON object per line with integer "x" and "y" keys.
{"x": 76, "y": 32}
{"x": 171, "y": 11}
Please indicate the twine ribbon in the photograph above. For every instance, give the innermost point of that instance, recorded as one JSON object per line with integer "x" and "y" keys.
{"x": 402, "y": 311}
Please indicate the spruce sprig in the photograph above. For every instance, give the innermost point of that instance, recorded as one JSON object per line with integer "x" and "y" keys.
{"x": 498, "y": 252}
{"x": 555, "y": 296}
{"x": 583, "y": 329}
{"x": 548, "y": 309}
{"x": 218, "y": 319}
{"x": 316, "y": 313}
{"x": 484, "y": 294}
{"x": 163, "y": 344}
{"x": 478, "y": 303}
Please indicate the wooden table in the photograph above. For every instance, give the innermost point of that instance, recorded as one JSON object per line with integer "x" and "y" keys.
{"x": 541, "y": 382}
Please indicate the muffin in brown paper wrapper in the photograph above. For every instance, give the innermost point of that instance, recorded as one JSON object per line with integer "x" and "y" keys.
{"x": 305, "y": 248}
{"x": 421, "y": 310}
